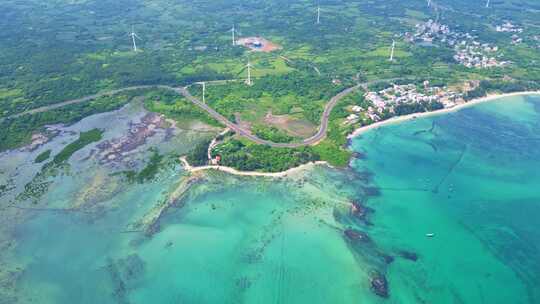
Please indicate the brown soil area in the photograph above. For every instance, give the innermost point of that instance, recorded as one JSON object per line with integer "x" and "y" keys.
{"x": 295, "y": 127}
{"x": 266, "y": 46}
{"x": 269, "y": 47}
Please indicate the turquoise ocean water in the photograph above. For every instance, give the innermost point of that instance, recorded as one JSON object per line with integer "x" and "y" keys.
{"x": 470, "y": 178}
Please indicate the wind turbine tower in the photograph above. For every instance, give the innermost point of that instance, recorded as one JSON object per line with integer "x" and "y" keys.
{"x": 318, "y": 14}
{"x": 203, "y": 84}
{"x": 429, "y": 3}
{"x": 392, "y": 51}
{"x": 248, "y": 66}
{"x": 233, "y": 32}
{"x": 133, "y": 36}
{"x": 487, "y": 4}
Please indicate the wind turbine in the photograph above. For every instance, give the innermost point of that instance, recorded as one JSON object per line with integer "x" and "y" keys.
{"x": 233, "y": 31}
{"x": 487, "y": 4}
{"x": 203, "y": 91}
{"x": 318, "y": 14}
{"x": 392, "y": 51}
{"x": 248, "y": 66}
{"x": 429, "y": 3}
{"x": 133, "y": 36}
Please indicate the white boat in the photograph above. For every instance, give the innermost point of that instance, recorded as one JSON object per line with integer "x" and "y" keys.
{"x": 430, "y": 234}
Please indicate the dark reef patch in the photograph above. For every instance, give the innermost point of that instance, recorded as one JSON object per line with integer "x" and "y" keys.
{"x": 358, "y": 155}
{"x": 124, "y": 273}
{"x": 356, "y": 236}
{"x": 364, "y": 176}
{"x": 379, "y": 284}
{"x": 372, "y": 191}
{"x": 408, "y": 255}
{"x": 360, "y": 212}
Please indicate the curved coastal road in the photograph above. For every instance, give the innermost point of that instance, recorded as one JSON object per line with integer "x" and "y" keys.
{"x": 320, "y": 135}
{"x": 313, "y": 140}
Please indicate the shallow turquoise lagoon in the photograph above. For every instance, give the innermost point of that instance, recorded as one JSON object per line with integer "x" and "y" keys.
{"x": 470, "y": 178}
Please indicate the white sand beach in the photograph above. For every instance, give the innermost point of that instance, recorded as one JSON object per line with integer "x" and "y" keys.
{"x": 491, "y": 97}
{"x": 230, "y": 170}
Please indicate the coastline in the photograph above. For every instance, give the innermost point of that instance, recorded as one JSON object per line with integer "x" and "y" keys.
{"x": 355, "y": 133}
{"x": 398, "y": 119}
{"x": 233, "y": 171}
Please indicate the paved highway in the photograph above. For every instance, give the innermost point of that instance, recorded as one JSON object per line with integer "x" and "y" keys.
{"x": 320, "y": 135}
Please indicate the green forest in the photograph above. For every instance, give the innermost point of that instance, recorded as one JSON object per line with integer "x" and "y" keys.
{"x": 55, "y": 51}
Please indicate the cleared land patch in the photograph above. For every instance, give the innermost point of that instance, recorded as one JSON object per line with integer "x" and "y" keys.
{"x": 258, "y": 44}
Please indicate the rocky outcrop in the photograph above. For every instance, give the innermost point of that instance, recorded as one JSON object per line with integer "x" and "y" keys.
{"x": 118, "y": 149}
{"x": 356, "y": 236}
{"x": 149, "y": 223}
{"x": 408, "y": 255}
{"x": 379, "y": 284}
{"x": 360, "y": 212}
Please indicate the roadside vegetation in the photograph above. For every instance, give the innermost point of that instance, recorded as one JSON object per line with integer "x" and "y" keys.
{"x": 175, "y": 107}
{"x": 199, "y": 155}
{"x": 271, "y": 133}
{"x": 247, "y": 156}
{"x": 299, "y": 94}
